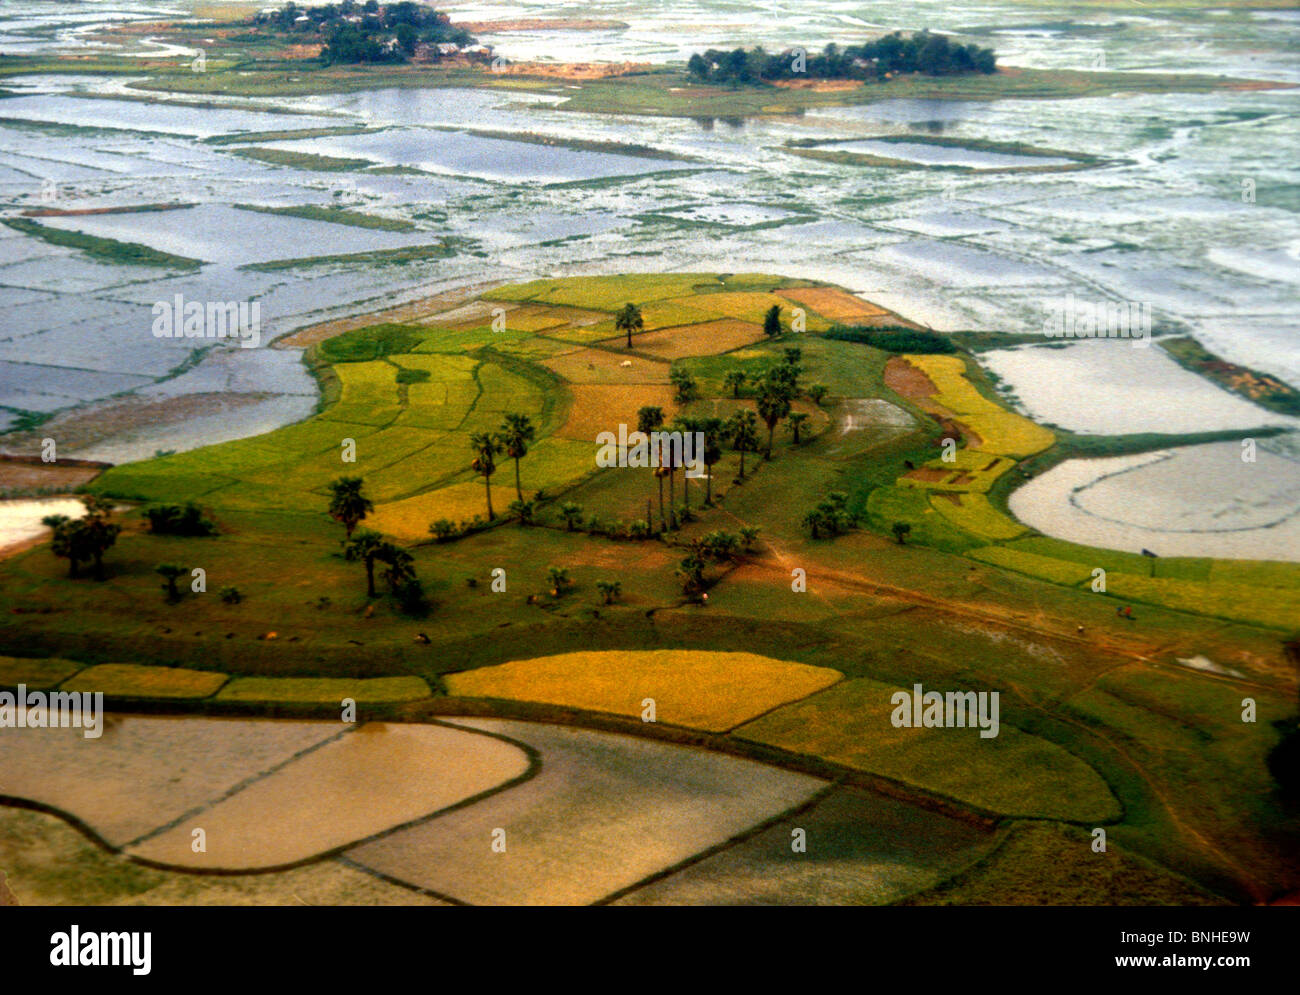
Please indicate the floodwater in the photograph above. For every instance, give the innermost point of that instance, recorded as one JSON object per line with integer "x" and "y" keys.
{"x": 1197, "y": 212}
{"x": 20, "y": 520}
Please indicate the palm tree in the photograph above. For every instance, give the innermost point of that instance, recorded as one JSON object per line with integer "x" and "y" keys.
{"x": 648, "y": 419}
{"x": 399, "y": 566}
{"x": 687, "y": 427}
{"x": 743, "y": 429}
{"x": 817, "y": 392}
{"x": 486, "y": 448}
{"x": 734, "y": 380}
{"x": 347, "y": 504}
{"x": 795, "y": 422}
{"x": 366, "y": 547}
{"x": 713, "y": 430}
{"x": 691, "y": 571}
{"x": 516, "y": 432}
{"x": 171, "y": 572}
{"x": 559, "y": 577}
{"x": 629, "y": 320}
{"x": 773, "y": 405}
{"x": 687, "y": 389}
{"x": 572, "y": 514}
{"x": 609, "y": 590}
{"x": 84, "y": 538}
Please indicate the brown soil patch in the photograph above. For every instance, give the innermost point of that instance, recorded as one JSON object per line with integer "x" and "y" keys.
{"x": 571, "y": 70}
{"x": 819, "y": 85}
{"x": 705, "y": 339}
{"x": 600, "y": 408}
{"x": 602, "y": 366}
{"x": 300, "y": 52}
{"x": 832, "y": 303}
{"x": 907, "y": 381}
{"x": 411, "y": 313}
{"x": 31, "y": 474}
{"x": 926, "y": 474}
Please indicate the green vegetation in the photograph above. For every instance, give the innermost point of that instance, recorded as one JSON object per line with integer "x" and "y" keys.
{"x": 108, "y": 249}
{"x": 335, "y": 215}
{"x": 1265, "y": 390}
{"x": 931, "y": 54}
{"x": 894, "y": 338}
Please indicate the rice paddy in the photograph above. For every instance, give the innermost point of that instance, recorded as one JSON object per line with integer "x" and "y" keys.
{"x": 701, "y": 690}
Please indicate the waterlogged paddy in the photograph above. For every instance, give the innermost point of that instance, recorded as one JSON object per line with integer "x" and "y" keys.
{"x": 1165, "y": 222}
{"x": 1194, "y": 501}
{"x": 459, "y": 153}
{"x": 151, "y": 116}
{"x": 1100, "y": 374}
{"x": 231, "y": 236}
{"x": 942, "y": 155}
{"x": 20, "y": 521}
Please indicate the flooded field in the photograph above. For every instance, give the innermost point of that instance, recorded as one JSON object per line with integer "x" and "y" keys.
{"x": 1168, "y": 219}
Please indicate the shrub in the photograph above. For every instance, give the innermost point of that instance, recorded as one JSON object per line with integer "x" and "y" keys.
{"x": 231, "y": 595}
{"x": 443, "y": 529}
{"x": 895, "y": 338}
{"x": 174, "y": 520}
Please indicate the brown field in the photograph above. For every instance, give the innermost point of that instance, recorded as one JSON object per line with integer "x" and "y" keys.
{"x": 704, "y": 339}
{"x": 837, "y": 305}
{"x": 414, "y": 312}
{"x": 602, "y": 366}
{"x": 906, "y": 380}
{"x": 819, "y": 85}
{"x": 598, "y": 407}
{"x": 22, "y": 474}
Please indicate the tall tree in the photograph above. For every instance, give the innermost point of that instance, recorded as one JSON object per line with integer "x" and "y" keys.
{"x": 713, "y": 430}
{"x": 772, "y": 321}
{"x": 486, "y": 447}
{"x": 734, "y": 380}
{"x": 348, "y": 505}
{"x": 795, "y": 423}
{"x": 365, "y": 546}
{"x": 773, "y": 405}
{"x": 743, "y": 430}
{"x": 516, "y": 432}
{"x": 629, "y": 320}
{"x": 648, "y": 419}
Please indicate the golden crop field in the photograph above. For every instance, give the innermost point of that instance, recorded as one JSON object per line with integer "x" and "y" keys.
{"x": 695, "y": 688}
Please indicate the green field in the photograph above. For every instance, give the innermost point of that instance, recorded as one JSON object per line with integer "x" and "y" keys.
{"x": 1100, "y": 722}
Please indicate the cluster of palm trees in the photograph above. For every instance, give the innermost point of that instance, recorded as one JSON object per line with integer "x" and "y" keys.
{"x": 84, "y": 539}
{"x": 715, "y": 547}
{"x": 512, "y": 440}
{"x": 349, "y": 506}
{"x": 831, "y": 517}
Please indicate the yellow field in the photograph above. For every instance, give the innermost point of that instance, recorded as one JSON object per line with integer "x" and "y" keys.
{"x": 973, "y": 513}
{"x": 694, "y": 688}
{"x": 136, "y": 680}
{"x": 748, "y": 306}
{"x": 832, "y": 303}
{"x": 409, "y": 519}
